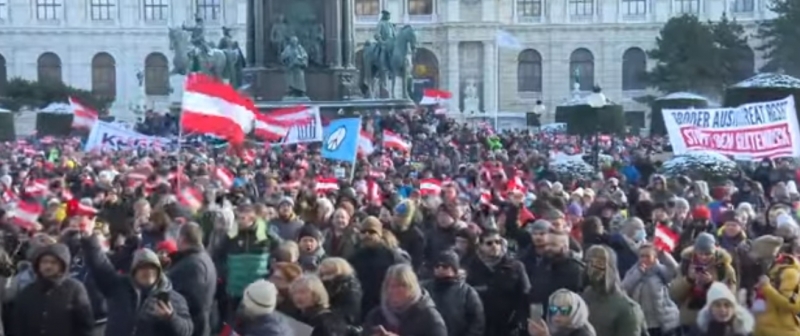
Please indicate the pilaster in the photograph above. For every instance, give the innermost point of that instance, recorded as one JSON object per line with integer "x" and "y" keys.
{"x": 489, "y": 77}
{"x": 453, "y": 76}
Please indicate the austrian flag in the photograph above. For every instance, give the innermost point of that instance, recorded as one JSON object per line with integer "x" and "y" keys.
{"x": 83, "y": 117}
{"x": 326, "y": 184}
{"x": 212, "y": 107}
{"x": 430, "y": 187}
{"x": 665, "y": 240}
{"x": 434, "y": 97}
{"x": 394, "y": 141}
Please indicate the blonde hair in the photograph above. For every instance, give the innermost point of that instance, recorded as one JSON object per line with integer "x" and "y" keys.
{"x": 340, "y": 266}
{"x": 390, "y": 240}
{"x": 314, "y": 284}
{"x": 288, "y": 251}
{"x": 403, "y": 274}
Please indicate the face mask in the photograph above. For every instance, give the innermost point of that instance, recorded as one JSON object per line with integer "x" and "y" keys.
{"x": 640, "y": 235}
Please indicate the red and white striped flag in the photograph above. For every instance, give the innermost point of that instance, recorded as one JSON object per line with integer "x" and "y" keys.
{"x": 83, "y": 116}
{"x": 374, "y": 193}
{"x": 430, "y": 186}
{"x": 394, "y": 141}
{"x": 434, "y": 97}
{"x": 190, "y": 198}
{"x": 212, "y": 107}
{"x": 326, "y": 184}
{"x": 270, "y": 129}
{"x": 224, "y": 176}
{"x": 665, "y": 240}
{"x": 37, "y": 188}
{"x": 304, "y": 123}
{"x": 26, "y": 214}
{"x": 365, "y": 143}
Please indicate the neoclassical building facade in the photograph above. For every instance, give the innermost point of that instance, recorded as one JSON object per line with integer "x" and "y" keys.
{"x": 102, "y": 44}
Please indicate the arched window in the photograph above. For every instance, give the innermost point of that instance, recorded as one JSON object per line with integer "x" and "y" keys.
{"x": 581, "y": 68}
{"x": 426, "y": 72}
{"x": 634, "y": 67}
{"x": 529, "y": 71}
{"x": 104, "y": 75}
{"x": 3, "y": 75}
{"x": 156, "y": 75}
{"x": 48, "y": 68}
{"x": 746, "y": 66}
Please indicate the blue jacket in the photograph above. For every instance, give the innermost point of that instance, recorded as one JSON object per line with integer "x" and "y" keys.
{"x": 131, "y": 310}
{"x": 632, "y": 175}
{"x": 626, "y": 256}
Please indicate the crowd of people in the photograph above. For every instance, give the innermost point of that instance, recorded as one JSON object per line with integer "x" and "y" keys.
{"x": 160, "y": 244}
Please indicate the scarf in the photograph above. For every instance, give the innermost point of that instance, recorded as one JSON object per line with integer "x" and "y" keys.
{"x": 490, "y": 261}
{"x": 392, "y": 314}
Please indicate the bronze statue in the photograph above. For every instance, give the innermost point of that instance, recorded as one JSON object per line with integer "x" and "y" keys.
{"x": 280, "y": 33}
{"x": 234, "y": 57}
{"x": 384, "y": 35}
{"x": 295, "y": 61}
{"x": 316, "y": 43}
{"x": 198, "y": 35}
{"x": 378, "y": 70}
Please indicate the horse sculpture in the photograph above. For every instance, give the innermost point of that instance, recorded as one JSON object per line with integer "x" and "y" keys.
{"x": 376, "y": 74}
{"x": 215, "y": 62}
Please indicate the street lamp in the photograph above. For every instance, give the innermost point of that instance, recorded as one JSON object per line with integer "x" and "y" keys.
{"x": 597, "y": 101}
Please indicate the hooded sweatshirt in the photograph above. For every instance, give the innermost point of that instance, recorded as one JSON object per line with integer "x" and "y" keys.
{"x": 579, "y": 315}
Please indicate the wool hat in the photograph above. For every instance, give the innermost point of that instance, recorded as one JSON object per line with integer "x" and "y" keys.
{"x": 766, "y": 246}
{"x": 705, "y": 242}
{"x": 372, "y": 223}
{"x": 448, "y": 258}
{"x": 539, "y": 226}
{"x": 168, "y": 245}
{"x": 260, "y": 298}
{"x": 553, "y": 214}
{"x": 719, "y": 291}
{"x": 729, "y": 216}
{"x": 309, "y": 230}
{"x": 701, "y": 212}
{"x": 286, "y": 200}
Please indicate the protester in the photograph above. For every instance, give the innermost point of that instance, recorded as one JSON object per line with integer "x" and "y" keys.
{"x": 194, "y": 276}
{"x": 612, "y": 312}
{"x": 256, "y": 315}
{"x": 722, "y": 315}
{"x": 457, "y": 302}
{"x": 343, "y": 288}
{"x": 567, "y": 315}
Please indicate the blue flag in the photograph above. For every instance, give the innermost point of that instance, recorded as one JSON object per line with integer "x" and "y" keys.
{"x": 340, "y": 140}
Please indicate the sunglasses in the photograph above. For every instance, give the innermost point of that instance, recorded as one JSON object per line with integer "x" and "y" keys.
{"x": 491, "y": 242}
{"x": 563, "y": 311}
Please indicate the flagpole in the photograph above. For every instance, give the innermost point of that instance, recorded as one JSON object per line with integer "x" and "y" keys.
{"x": 355, "y": 157}
{"x": 496, "y": 81}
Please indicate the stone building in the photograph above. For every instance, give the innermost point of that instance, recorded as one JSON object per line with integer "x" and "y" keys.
{"x": 102, "y": 44}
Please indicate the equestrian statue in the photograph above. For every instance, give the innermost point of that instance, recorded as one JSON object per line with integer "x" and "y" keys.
{"x": 193, "y": 53}
{"x": 387, "y": 59}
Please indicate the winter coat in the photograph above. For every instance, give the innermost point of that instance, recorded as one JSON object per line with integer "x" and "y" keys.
{"x": 371, "y": 264}
{"x": 627, "y": 253}
{"x": 309, "y": 261}
{"x": 275, "y": 324}
{"x": 439, "y": 239}
{"x": 460, "y": 306}
{"x": 689, "y": 298}
{"x": 412, "y": 241}
{"x": 128, "y": 312}
{"x": 343, "y": 246}
{"x": 57, "y": 307}
{"x": 325, "y": 323}
{"x": 742, "y": 324}
{"x": 286, "y": 228}
{"x": 345, "y": 294}
{"x": 420, "y": 319}
{"x": 651, "y": 290}
{"x": 503, "y": 289}
{"x": 194, "y": 276}
{"x": 780, "y": 318}
{"x": 244, "y": 257}
{"x": 549, "y": 274}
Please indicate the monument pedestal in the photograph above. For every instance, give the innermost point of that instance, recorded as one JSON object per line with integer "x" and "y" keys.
{"x": 269, "y": 84}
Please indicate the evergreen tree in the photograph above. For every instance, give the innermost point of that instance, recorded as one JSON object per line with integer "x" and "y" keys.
{"x": 735, "y": 61}
{"x": 782, "y": 38}
{"x": 686, "y": 58}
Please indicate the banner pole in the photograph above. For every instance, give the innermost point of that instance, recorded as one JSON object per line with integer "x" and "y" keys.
{"x": 355, "y": 155}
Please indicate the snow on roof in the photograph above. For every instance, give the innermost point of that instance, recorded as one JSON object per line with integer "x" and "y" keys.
{"x": 769, "y": 80}
{"x": 683, "y": 95}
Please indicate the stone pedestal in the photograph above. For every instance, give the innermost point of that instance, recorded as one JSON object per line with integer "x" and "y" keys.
{"x": 176, "y": 82}
{"x": 269, "y": 84}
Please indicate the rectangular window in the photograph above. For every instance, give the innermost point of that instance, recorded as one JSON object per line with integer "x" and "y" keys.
{"x": 368, "y": 7}
{"x": 156, "y": 10}
{"x": 48, "y": 9}
{"x": 209, "y": 10}
{"x": 687, "y": 6}
{"x": 529, "y": 9}
{"x": 581, "y": 7}
{"x": 743, "y": 6}
{"x": 420, "y": 7}
{"x": 102, "y": 10}
{"x": 634, "y": 7}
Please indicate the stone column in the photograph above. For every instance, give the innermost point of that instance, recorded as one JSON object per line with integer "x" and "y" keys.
{"x": 453, "y": 76}
{"x": 332, "y": 24}
{"x": 489, "y": 77}
{"x": 337, "y": 33}
{"x": 261, "y": 41}
{"x": 348, "y": 32}
{"x": 251, "y": 33}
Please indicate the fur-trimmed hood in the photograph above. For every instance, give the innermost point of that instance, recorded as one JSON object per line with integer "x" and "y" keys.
{"x": 721, "y": 256}
{"x": 743, "y": 321}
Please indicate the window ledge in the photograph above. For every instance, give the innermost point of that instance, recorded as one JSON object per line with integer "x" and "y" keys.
{"x": 529, "y": 19}
{"x": 367, "y": 18}
{"x": 421, "y": 18}
{"x": 635, "y": 17}
{"x": 155, "y": 22}
{"x": 587, "y": 18}
{"x": 49, "y": 22}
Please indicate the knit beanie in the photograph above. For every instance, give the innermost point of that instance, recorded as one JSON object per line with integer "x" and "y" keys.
{"x": 448, "y": 258}
{"x": 729, "y": 216}
{"x": 701, "y": 212}
{"x": 705, "y": 243}
{"x": 539, "y": 226}
{"x": 309, "y": 230}
{"x": 259, "y": 298}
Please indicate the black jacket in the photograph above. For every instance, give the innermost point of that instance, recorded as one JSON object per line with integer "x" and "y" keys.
{"x": 194, "y": 276}
{"x": 460, "y": 306}
{"x": 130, "y": 310}
{"x": 549, "y": 274}
{"x": 371, "y": 264}
{"x": 421, "y": 319}
{"x": 325, "y": 323}
{"x": 503, "y": 290}
{"x": 345, "y": 298}
{"x": 413, "y": 242}
{"x": 53, "y": 307}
